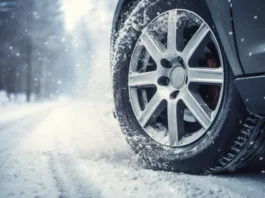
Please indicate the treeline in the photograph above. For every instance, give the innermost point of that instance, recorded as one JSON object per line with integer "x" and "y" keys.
{"x": 35, "y": 50}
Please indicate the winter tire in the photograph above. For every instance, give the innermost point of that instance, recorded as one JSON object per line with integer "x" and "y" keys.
{"x": 174, "y": 93}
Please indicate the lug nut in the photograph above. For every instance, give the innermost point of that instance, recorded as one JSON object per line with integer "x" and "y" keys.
{"x": 174, "y": 95}
{"x": 166, "y": 63}
{"x": 163, "y": 81}
{"x": 181, "y": 61}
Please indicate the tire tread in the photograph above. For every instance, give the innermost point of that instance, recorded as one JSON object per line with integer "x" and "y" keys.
{"x": 246, "y": 147}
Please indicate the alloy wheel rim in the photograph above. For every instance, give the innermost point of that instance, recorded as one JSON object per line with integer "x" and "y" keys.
{"x": 175, "y": 66}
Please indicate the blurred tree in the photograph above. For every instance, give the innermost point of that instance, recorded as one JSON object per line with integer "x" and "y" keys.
{"x": 8, "y": 67}
{"x": 34, "y": 55}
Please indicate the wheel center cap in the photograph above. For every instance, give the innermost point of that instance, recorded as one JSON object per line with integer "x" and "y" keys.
{"x": 177, "y": 77}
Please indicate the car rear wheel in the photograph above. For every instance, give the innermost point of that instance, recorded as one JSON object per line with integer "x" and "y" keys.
{"x": 174, "y": 93}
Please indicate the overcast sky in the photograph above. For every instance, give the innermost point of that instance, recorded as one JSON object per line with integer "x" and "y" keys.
{"x": 98, "y": 12}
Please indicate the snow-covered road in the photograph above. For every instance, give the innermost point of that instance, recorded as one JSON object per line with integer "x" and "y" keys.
{"x": 74, "y": 148}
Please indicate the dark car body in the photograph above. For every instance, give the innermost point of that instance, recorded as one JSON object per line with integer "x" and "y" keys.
{"x": 241, "y": 28}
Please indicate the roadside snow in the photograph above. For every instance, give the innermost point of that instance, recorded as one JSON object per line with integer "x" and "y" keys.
{"x": 11, "y": 112}
{"x": 14, "y": 110}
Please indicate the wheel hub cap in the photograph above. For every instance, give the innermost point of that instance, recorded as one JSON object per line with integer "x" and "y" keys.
{"x": 177, "y": 77}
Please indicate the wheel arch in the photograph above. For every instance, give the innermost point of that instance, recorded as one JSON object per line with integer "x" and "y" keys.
{"x": 221, "y": 14}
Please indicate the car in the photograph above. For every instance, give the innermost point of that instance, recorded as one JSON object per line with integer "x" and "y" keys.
{"x": 188, "y": 79}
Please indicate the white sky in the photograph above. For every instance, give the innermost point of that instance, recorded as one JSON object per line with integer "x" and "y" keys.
{"x": 96, "y": 12}
{"x": 75, "y": 10}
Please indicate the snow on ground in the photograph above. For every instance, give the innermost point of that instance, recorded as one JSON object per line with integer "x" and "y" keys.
{"x": 75, "y": 148}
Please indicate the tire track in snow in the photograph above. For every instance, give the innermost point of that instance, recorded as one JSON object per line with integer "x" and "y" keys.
{"x": 69, "y": 182}
{"x": 65, "y": 171}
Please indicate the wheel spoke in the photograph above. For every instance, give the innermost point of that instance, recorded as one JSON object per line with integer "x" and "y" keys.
{"x": 152, "y": 110}
{"x": 195, "y": 41}
{"x": 206, "y": 75}
{"x": 174, "y": 129}
{"x": 154, "y": 47}
{"x": 142, "y": 79}
{"x": 134, "y": 100}
{"x": 172, "y": 31}
{"x": 198, "y": 108}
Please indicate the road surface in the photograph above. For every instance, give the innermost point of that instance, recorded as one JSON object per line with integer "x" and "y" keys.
{"x": 74, "y": 148}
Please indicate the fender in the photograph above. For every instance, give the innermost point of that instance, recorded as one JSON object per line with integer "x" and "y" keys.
{"x": 249, "y": 27}
{"x": 223, "y": 19}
